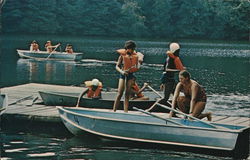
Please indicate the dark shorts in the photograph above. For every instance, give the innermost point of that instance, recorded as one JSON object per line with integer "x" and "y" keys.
{"x": 129, "y": 76}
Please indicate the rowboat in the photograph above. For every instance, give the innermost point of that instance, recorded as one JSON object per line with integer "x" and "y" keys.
{"x": 147, "y": 129}
{"x": 43, "y": 55}
{"x": 106, "y": 102}
{"x": 3, "y": 102}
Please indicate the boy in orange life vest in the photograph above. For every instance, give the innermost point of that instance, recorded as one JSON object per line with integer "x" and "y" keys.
{"x": 126, "y": 65}
{"x": 93, "y": 91}
{"x": 172, "y": 65}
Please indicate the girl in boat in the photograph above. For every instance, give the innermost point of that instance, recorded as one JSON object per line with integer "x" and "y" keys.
{"x": 34, "y": 46}
{"x": 126, "y": 65}
{"x": 194, "y": 100}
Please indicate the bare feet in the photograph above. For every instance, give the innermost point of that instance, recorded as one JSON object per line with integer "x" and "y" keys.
{"x": 209, "y": 116}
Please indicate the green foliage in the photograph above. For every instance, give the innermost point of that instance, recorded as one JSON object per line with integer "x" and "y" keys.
{"x": 209, "y": 19}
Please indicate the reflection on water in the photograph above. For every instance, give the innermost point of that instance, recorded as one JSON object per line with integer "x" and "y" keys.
{"x": 86, "y": 147}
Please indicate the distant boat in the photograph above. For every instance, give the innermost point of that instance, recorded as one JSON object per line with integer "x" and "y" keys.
{"x": 106, "y": 102}
{"x": 142, "y": 128}
{"x": 3, "y": 102}
{"x": 43, "y": 55}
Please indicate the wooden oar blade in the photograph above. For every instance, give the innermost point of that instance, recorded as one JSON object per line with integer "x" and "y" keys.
{"x": 21, "y": 99}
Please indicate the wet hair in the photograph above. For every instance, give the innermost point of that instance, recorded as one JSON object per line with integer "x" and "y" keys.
{"x": 185, "y": 74}
{"x": 130, "y": 45}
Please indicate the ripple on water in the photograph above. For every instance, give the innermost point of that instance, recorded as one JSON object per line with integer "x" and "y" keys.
{"x": 46, "y": 154}
{"x": 230, "y": 105}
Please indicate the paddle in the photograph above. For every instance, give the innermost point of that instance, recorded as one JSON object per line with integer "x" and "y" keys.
{"x": 155, "y": 91}
{"x": 187, "y": 115}
{"x": 3, "y": 102}
{"x": 157, "y": 100}
{"x": 32, "y": 102}
{"x": 20, "y": 100}
{"x": 153, "y": 115}
{"x": 149, "y": 109}
{"x": 2, "y": 109}
{"x": 52, "y": 51}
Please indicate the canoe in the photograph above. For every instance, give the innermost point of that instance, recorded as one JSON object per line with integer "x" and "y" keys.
{"x": 43, "y": 55}
{"x": 141, "y": 128}
{"x": 106, "y": 102}
{"x": 3, "y": 102}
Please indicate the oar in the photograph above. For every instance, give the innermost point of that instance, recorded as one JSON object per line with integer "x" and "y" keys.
{"x": 20, "y": 100}
{"x": 174, "y": 110}
{"x": 32, "y": 102}
{"x": 2, "y": 111}
{"x": 52, "y": 51}
{"x": 153, "y": 115}
{"x": 155, "y": 91}
{"x": 157, "y": 94}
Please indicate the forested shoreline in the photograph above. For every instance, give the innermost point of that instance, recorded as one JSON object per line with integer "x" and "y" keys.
{"x": 202, "y": 19}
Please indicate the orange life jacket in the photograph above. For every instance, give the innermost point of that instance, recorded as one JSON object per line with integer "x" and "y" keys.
{"x": 177, "y": 61}
{"x": 91, "y": 93}
{"x": 129, "y": 61}
{"x": 137, "y": 89}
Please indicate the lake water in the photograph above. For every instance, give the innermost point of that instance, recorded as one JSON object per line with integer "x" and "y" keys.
{"x": 221, "y": 67}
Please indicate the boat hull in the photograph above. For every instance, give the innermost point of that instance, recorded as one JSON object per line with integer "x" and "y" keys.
{"x": 106, "y": 102}
{"x": 147, "y": 129}
{"x": 3, "y": 102}
{"x": 42, "y": 55}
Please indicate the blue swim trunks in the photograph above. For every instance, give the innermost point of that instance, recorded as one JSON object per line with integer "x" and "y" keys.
{"x": 129, "y": 76}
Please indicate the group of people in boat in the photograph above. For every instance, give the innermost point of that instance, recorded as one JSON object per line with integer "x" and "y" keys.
{"x": 192, "y": 102}
{"x": 34, "y": 46}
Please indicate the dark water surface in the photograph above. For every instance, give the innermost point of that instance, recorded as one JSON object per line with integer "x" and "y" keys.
{"x": 221, "y": 67}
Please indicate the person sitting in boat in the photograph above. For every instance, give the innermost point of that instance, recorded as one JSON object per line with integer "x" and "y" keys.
{"x": 34, "y": 46}
{"x": 49, "y": 47}
{"x": 136, "y": 92}
{"x": 126, "y": 65}
{"x": 93, "y": 90}
{"x": 194, "y": 100}
{"x": 69, "y": 49}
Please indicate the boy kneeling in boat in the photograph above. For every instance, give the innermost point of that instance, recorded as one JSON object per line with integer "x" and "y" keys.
{"x": 93, "y": 90}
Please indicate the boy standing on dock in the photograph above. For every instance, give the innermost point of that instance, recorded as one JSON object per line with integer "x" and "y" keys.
{"x": 126, "y": 65}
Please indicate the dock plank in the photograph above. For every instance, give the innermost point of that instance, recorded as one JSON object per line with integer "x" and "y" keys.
{"x": 228, "y": 120}
{"x": 218, "y": 118}
{"x": 47, "y": 113}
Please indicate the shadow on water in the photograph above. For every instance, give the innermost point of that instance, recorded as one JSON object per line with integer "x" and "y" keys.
{"x": 91, "y": 147}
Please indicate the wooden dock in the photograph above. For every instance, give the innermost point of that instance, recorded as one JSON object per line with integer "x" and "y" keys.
{"x": 38, "y": 112}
